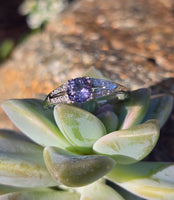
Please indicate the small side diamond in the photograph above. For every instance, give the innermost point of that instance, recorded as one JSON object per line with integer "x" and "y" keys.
{"x": 66, "y": 99}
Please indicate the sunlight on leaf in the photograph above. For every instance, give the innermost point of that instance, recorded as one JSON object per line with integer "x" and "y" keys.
{"x": 149, "y": 180}
{"x": 134, "y": 109}
{"x": 80, "y": 127}
{"x": 99, "y": 191}
{"x": 27, "y": 113}
{"x": 41, "y": 194}
{"x": 129, "y": 145}
{"x": 21, "y": 162}
{"x": 76, "y": 171}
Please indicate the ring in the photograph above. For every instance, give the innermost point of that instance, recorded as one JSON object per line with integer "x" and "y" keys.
{"x": 82, "y": 89}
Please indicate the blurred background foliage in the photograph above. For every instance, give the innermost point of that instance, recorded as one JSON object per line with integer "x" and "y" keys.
{"x": 41, "y": 11}
{"x": 21, "y": 18}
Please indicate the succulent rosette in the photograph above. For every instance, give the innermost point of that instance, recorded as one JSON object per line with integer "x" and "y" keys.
{"x": 91, "y": 151}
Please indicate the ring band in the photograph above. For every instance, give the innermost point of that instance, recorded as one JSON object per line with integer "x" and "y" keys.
{"x": 82, "y": 89}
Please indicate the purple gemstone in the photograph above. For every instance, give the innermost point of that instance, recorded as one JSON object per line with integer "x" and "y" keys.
{"x": 79, "y": 89}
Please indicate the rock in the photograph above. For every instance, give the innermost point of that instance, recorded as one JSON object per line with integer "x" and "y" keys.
{"x": 130, "y": 41}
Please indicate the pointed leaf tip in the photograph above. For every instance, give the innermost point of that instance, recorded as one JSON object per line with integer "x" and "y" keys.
{"x": 129, "y": 145}
{"x": 92, "y": 72}
{"x": 76, "y": 171}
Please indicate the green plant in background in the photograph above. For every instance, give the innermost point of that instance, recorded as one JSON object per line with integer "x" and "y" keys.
{"x": 76, "y": 151}
{"x": 6, "y": 48}
{"x": 41, "y": 11}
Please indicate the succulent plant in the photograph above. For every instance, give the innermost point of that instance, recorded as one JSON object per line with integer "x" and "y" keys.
{"x": 89, "y": 152}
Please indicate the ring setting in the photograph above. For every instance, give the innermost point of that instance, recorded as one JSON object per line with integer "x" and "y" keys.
{"x": 82, "y": 89}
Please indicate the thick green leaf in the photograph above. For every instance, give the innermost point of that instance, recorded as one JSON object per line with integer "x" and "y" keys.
{"x": 134, "y": 109}
{"x": 76, "y": 171}
{"x": 148, "y": 180}
{"x": 160, "y": 108}
{"x": 41, "y": 194}
{"x": 124, "y": 193}
{"x": 4, "y": 189}
{"x": 94, "y": 73}
{"x": 80, "y": 127}
{"x": 99, "y": 191}
{"x": 21, "y": 162}
{"x": 109, "y": 119}
{"x": 36, "y": 122}
{"x": 13, "y": 142}
{"x": 130, "y": 145}
{"x": 128, "y": 195}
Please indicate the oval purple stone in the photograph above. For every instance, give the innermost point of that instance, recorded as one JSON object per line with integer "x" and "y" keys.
{"x": 79, "y": 89}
